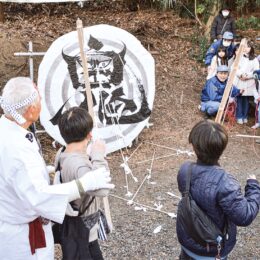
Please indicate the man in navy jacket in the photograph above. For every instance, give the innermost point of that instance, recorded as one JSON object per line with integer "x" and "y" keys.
{"x": 213, "y": 91}
{"x": 226, "y": 41}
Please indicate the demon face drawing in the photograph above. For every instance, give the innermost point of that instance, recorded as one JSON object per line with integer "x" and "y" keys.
{"x": 109, "y": 85}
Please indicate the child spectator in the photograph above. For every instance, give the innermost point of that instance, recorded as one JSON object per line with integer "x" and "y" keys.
{"x": 219, "y": 59}
{"x": 213, "y": 91}
{"x": 216, "y": 192}
{"x": 227, "y": 42}
{"x": 245, "y": 80}
{"x": 222, "y": 23}
{"x": 75, "y": 126}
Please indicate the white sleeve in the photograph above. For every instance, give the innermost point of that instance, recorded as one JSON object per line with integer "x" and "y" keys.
{"x": 50, "y": 206}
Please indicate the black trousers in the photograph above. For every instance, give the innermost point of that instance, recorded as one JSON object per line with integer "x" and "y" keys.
{"x": 95, "y": 251}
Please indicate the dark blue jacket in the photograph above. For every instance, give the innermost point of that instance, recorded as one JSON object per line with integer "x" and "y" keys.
{"x": 212, "y": 51}
{"x": 214, "y": 90}
{"x": 219, "y": 195}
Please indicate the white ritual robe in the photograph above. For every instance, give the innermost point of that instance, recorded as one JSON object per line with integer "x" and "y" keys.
{"x": 22, "y": 175}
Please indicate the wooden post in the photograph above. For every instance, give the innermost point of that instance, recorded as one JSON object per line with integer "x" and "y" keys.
{"x": 2, "y": 16}
{"x": 85, "y": 67}
{"x": 90, "y": 102}
{"x": 230, "y": 81}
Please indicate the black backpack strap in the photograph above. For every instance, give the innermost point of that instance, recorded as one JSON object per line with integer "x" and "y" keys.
{"x": 85, "y": 209}
{"x": 188, "y": 179}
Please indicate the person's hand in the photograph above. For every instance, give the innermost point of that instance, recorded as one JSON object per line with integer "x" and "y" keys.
{"x": 244, "y": 77}
{"x": 98, "y": 146}
{"x": 96, "y": 179}
{"x": 251, "y": 177}
{"x": 242, "y": 91}
{"x": 258, "y": 99}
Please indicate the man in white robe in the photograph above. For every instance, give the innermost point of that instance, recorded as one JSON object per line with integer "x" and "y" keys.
{"x": 25, "y": 193}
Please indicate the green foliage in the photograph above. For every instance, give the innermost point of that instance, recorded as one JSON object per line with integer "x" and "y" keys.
{"x": 248, "y": 23}
{"x": 201, "y": 9}
{"x": 240, "y": 4}
{"x": 199, "y": 47}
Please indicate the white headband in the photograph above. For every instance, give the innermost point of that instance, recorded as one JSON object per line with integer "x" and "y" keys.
{"x": 12, "y": 109}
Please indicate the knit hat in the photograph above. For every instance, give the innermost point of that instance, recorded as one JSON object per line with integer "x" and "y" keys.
{"x": 228, "y": 36}
{"x": 223, "y": 68}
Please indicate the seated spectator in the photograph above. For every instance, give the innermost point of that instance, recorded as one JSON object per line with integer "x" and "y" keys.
{"x": 227, "y": 42}
{"x": 222, "y": 23}
{"x": 213, "y": 91}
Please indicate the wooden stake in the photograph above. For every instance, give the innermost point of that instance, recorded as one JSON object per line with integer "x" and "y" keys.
{"x": 85, "y": 67}
{"x": 230, "y": 81}
{"x": 249, "y": 136}
{"x": 90, "y": 102}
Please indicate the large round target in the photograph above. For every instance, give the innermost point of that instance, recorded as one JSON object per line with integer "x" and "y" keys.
{"x": 122, "y": 81}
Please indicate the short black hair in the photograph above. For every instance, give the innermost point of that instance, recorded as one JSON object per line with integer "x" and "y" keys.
{"x": 75, "y": 124}
{"x": 209, "y": 139}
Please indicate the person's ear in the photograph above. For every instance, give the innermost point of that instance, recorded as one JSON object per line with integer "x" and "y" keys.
{"x": 28, "y": 113}
{"x": 89, "y": 136}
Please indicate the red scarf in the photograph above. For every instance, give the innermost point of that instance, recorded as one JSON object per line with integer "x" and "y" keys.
{"x": 36, "y": 235}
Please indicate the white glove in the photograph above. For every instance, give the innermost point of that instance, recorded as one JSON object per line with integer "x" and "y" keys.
{"x": 96, "y": 179}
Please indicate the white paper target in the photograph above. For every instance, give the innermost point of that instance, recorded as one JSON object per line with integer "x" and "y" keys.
{"x": 122, "y": 78}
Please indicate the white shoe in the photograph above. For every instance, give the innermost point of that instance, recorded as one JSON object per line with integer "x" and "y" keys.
{"x": 257, "y": 125}
{"x": 245, "y": 121}
{"x": 240, "y": 121}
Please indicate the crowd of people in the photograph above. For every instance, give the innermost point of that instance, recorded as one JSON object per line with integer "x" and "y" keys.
{"x": 29, "y": 203}
{"x": 219, "y": 61}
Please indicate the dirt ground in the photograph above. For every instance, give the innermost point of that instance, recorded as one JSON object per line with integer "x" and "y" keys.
{"x": 179, "y": 80}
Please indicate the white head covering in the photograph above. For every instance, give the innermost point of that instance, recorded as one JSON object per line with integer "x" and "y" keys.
{"x": 12, "y": 108}
{"x": 14, "y": 87}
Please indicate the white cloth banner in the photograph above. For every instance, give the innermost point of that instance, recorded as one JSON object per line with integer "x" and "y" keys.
{"x": 122, "y": 78}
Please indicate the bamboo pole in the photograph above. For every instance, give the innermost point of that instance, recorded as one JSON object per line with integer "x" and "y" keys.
{"x": 230, "y": 81}
{"x": 85, "y": 67}
{"x": 90, "y": 102}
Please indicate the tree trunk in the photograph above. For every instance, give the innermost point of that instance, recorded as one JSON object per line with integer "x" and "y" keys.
{"x": 214, "y": 12}
{"x": 2, "y": 16}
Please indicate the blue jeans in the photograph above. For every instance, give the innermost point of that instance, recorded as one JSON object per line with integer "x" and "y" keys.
{"x": 210, "y": 107}
{"x": 242, "y": 107}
